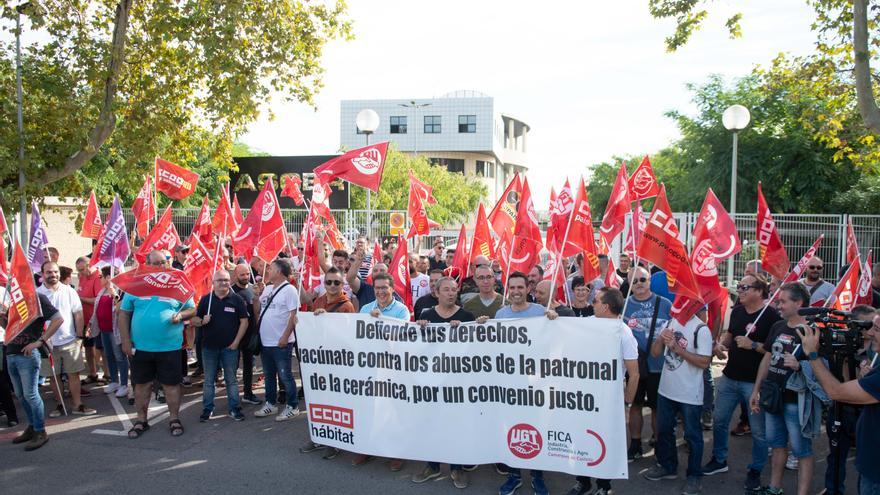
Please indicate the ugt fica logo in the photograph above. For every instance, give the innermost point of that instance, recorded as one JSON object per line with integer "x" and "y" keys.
{"x": 524, "y": 441}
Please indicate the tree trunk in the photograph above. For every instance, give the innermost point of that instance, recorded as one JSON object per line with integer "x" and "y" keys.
{"x": 864, "y": 87}
{"x": 106, "y": 122}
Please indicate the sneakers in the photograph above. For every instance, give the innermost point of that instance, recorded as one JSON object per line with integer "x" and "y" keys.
{"x": 707, "y": 420}
{"x": 603, "y": 491}
{"x": 693, "y": 486}
{"x": 753, "y": 481}
{"x": 111, "y": 388}
{"x": 57, "y": 412}
{"x": 82, "y": 410}
{"x": 427, "y": 474}
{"x": 791, "y": 463}
{"x": 471, "y": 468}
{"x": 741, "y": 429}
{"x": 634, "y": 451}
{"x": 251, "y": 399}
{"x": 38, "y": 440}
{"x": 578, "y": 489}
{"x": 501, "y": 469}
{"x": 333, "y": 453}
{"x": 510, "y": 486}
{"x": 539, "y": 487}
{"x": 289, "y": 412}
{"x": 657, "y": 473}
{"x": 186, "y": 382}
{"x": 206, "y": 415}
{"x": 121, "y": 391}
{"x": 236, "y": 414}
{"x": 267, "y": 410}
{"x": 771, "y": 491}
{"x": 310, "y": 446}
{"x": 25, "y": 436}
{"x": 715, "y": 467}
{"x": 459, "y": 479}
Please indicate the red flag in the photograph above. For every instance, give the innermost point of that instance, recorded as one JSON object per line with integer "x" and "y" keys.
{"x": 198, "y": 267}
{"x": 149, "y": 281}
{"x": 549, "y": 270}
{"x": 420, "y": 194}
{"x": 224, "y": 218}
{"x": 561, "y": 207}
{"x": 362, "y": 166}
{"x": 91, "y": 227}
{"x": 660, "y": 245}
{"x": 614, "y": 219}
{"x": 642, "y": 183}
{"x": 774, "y": 259}
{"x": 634, "y": 233}
{"x": 852, "y": 245}
{"x": 422, "y": 227}
{"x": 24, "y": 305}
{"x": 262, "y": 232}
{"x": 482, "y": 243}
{"x": 526, "y": 242}
{"x": 174, "y": 181}
{"x": 717, "y": 229}
{"x": 581, "y": 237}
{"x": 846, "y": 291}
{"x": 202, "y": 225}
{"x": 865, "y": 293}
{"x": 144, "y": 209}
{"x": 460, "y": 259}
{"x": 399, "y": 271}
{"x": 375, "y": 258}
{"x": 321, "y": 199}
{"x": 313, "y": 273}
{"x": 163, "y": 236}
{"x": 291, "y": 187}
{"x": 503, "y": 215}
{"x": 236, "y": 212}
{"x": 3, "y": 226}
{"x": 798, "y": 269}
{"x": 611, "y": 279}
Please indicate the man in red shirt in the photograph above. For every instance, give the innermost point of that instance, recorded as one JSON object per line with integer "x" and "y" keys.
{"x": 87, "y": 287}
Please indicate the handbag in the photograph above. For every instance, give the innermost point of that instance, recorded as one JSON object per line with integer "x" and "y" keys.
{"x": 643, "y": 355}
{"x": 771, "y": 397}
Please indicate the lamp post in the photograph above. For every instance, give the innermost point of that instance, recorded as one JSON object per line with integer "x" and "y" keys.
{"x": 415, "y": 107}
{"x": 367, "y": 122}
{"x": 735, "y": 118}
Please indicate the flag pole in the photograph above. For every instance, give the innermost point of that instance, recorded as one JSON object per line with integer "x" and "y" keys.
{"x": 635, "y": 265}
{"x": 507, "y": 271}
{"x": 557, "y": 266}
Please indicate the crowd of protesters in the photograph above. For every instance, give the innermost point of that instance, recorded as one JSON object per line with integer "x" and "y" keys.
{"x": 774, "y": 383}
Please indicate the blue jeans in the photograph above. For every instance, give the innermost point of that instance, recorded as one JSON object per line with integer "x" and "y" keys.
{"x": 667, "y": 453}
{"x": 517, "y": 472}
{"x": 730, "y": 393}
{"x": 116, "y": 360}
{"x": 868, "y": 487}
{"x": 785, "y": 428}
{"x": 838, "y": 453}
{"x": 24, "y": 371}
{"x": 211, "y": 359}
{"x": 276, "y": 360}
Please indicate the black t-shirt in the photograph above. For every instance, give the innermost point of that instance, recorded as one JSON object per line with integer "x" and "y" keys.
{"x": 782, "y": 339}
{"x": 432, "y": 316}
{"x": 32, "y": 332}
{"x": 583, "y": 312}
{"x": 563, "y": 310}
{"x": 742, "y": 364}
{"x": 433, "y": 264}
{"x": 867, "y": 433}
{"x": 247, "y": 294}
{"x": 225, "y": 318}
{"x": 425, "y": 302}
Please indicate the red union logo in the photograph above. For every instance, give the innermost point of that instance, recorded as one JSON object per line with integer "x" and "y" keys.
{"x": 368, "y": 161}
{"x": 664, "y": 222}
{"x": 766, "y": 231}
{"x": 174, "y": 179}
{"x": 642, "y": 182}
{"x": 331, "y": 415}
{"x": 268, "y": 206}
{"x": 524, "y": 441}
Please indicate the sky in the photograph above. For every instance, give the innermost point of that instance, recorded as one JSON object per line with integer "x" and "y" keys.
{"x": 592, "y": 79}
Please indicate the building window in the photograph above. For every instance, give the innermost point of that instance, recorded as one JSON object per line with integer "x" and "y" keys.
{"x": 432, "y": 124}
{"x": 451, "y": 164}
{"x": 485, "y": 169}
{"x": 467, "y": 123}
{"x": 398, "y": 125}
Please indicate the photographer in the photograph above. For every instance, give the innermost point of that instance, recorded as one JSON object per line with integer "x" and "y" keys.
{"x": 864, "y": 391}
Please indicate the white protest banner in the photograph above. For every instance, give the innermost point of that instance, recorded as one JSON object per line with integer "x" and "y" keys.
{"x": 531, "y": 393}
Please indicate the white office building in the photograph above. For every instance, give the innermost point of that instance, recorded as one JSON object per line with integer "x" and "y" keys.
{"x": 463, "y": 131}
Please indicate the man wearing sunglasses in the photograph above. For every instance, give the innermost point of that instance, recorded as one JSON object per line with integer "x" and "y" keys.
{"x": 744, "y": 344}
{"x": 646, "y": 314}
{"x": 820, "y": 290}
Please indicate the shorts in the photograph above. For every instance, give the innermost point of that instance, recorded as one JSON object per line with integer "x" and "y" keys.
{"x": 646, "y": 394}
{"x": 785, "y": 428}
{"x": 164, "y": 367}
{"x": 89, "y": 341}
{"x": 69, "y": 358}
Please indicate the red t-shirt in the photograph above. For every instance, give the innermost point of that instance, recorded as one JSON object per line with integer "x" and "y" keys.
{"x": 89, "y": 287}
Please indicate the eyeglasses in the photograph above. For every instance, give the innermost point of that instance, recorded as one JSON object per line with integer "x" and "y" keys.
{"x": 814, "y": 267}
{"x": 333, "y": 282}
{"x": 485, "y": 277}
{"x": 222, "y": 280}
{"x": 640, "y": 280}
{"x": 742, "y": 287}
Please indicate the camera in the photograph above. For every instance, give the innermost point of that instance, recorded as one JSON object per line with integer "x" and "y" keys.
{"x": 839, "y": 334}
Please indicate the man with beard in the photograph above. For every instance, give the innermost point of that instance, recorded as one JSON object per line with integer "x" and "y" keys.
{"x": 820, "y": 290}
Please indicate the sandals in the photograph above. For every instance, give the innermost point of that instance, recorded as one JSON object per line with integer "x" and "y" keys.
{"x": 139, "y": 428}
{"x": 175, "y": 427}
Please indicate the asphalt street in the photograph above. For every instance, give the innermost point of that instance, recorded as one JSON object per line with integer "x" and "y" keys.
{"x": 90, "y": 455}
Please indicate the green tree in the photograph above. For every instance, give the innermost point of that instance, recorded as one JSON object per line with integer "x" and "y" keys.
{"x": 124, "y": 81}
{"x": 457, "y": 195}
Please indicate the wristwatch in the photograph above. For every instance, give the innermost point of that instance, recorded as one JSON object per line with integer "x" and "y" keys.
{"x": 813, "y": 356}
{"x": 754, "y": 346}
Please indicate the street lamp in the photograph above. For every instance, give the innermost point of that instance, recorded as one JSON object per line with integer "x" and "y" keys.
{"x": 367, "y": 122}
{"x": 735, "y": 119}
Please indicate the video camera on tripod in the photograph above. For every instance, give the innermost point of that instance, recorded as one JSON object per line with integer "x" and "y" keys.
{"x": 839, "y": 333}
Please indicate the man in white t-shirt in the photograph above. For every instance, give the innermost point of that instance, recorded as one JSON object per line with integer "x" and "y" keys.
{"x": 419, "y": 282}
{"x": 687, "y": 351}
{"x": 67, "y": 349}
{"x": 276, "y": 308}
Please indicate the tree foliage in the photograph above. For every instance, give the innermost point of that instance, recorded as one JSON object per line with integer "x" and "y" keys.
{"x": 457, "y": 195}
{"x": 111, "y": 84}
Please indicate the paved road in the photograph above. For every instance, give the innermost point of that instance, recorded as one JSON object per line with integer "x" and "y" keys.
{"x": 261, "y": 456}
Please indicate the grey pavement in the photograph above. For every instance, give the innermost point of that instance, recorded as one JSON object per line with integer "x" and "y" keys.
{"x": 260, "y": 455}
